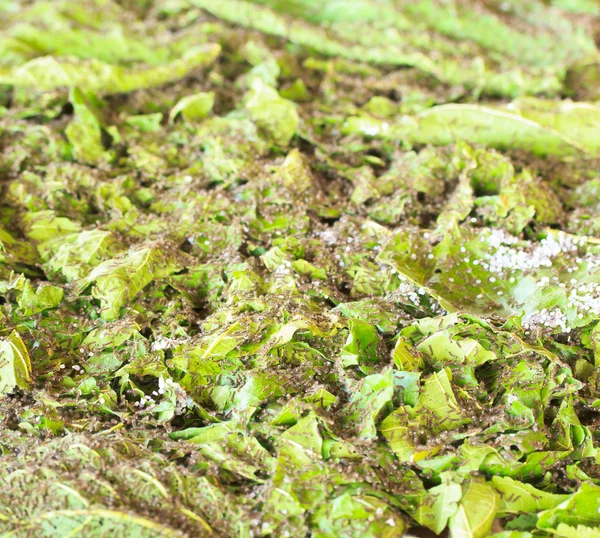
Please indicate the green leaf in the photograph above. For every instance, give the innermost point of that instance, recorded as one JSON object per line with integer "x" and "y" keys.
{"x": 438, "y": 505}
{"x": 581, "y": 508}
{"x": 581, "y": 531}
{"x": 476, "y": 511}
{"x": 110, "y": 336}
{"x": 398, "y": 428}
{"x": 295, "y": 172}
{"x": 119, "y": 280}
{"x": 445, "y": 124}
{"x": 193, "y": 107}
{"x": 512, "y": 534}
{"x": 15, "y": 365}
{"x": 440, "y": 346}
{"x": 480, "y": 125}
{"x": 84, "y": 133}
{"x": 361, "y": 345}
{"x": 43, "y": 298}
{"x": 97, "y": 520}
{"x": 276, "y": 116}
{"x": 43, "y": 226}
{"x": 299, "y": 461}
{"x": 359, "y": 515}
{"x": 365, "y": 405}
{"x": 408, "y": 384}
{"x": 145, "y": 123}
{"x": 517, "y": 497}
{"x": 438, "y": 405}
{"x": 231, "y": 449}
{"x": 462, "y": 274}
{"x": 49, "y": 73}
{"x": 306, "y": 268}
{"x": 75, "y": 254}
{"x": 577, "y": 121}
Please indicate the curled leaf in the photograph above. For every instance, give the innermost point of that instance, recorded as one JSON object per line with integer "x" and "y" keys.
{"x": 15, "y": 365}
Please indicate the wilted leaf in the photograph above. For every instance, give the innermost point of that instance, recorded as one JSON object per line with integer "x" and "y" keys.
{"x": 44, "y": 297}
{"x": 84, "y": 132}
{"x": 581, "y": 508}
{"x": 193, "y": 107}
{"x": 366, "y": 404}
{"x": 517, "y": 497}
{"x": 119, "y": 280}
{"x": 439, "y": 505}
{"x": 49, "y": 73}
{"x": 437, "y": 403}
{"x": 342, "y": 282}
{"x": 476, "y": 511}
{"x": 15, "y": 365}
{"x": 276, "y": 116}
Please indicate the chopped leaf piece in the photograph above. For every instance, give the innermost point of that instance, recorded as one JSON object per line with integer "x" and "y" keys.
{"x": 48, "y": 73}
{"x": 84, "y": 133}
{"x": 193, "y": 107}
{"x": 121, "y": 279}
{"x": 15, "y": 365}
{"x": 276, "y": 116}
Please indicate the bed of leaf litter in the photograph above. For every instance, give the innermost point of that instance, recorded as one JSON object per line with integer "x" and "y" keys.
{"x": 291, "y": 268}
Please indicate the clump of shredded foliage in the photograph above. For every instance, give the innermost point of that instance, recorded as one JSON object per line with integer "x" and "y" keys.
{"x": 288, "y": 268}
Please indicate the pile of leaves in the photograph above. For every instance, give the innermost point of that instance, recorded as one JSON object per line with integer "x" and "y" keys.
{"x": 290, "y": 268}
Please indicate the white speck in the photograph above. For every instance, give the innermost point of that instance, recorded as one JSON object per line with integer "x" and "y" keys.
{"x": 508, "y": 256}
{"x": 162, "y": 343}
{"x": 371, "y": 130}
{"x": 546, "y": 320}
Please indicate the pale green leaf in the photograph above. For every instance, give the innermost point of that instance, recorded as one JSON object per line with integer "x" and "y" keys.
{"x": 15, "y": 365}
